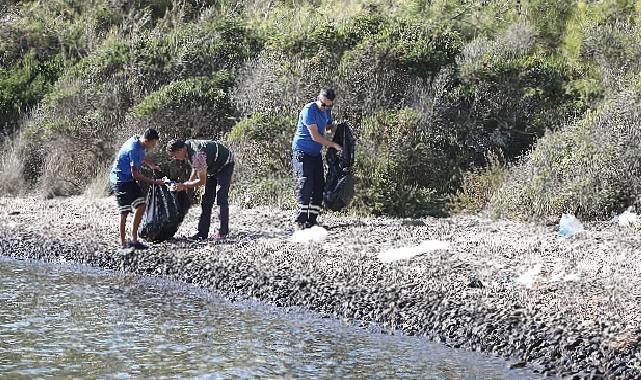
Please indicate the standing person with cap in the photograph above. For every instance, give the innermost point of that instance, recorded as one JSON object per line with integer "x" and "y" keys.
{"x": 309, "y": 140}
{"x": 212, "y": 166}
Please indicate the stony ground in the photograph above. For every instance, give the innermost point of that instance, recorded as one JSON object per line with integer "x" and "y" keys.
{"x": 561, "y": 306}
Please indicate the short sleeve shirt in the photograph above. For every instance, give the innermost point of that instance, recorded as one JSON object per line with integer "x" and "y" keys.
{"x": 131, "y": 155}
{"x": 199, "y": 161}
{"x": 310, "y": 114}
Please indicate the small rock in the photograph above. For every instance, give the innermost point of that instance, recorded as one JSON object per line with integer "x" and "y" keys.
{"x": 517, "y": 365}
{"x": 475, "y": 283}
{"x": 413, "y": 223}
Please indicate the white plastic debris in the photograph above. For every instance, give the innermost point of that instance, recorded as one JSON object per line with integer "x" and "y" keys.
{"x": 10, "y": 225}
{"x": 406, "y": 253}
{"x": 565, "y": 277}
{"x": 529, "y": 277}
{"x": 308, "y": 235}
{"x": 573, "y": 277}
{"x": 569, "y": 225}
{"x": 628, "y": 219}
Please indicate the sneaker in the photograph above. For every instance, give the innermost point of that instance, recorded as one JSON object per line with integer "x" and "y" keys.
{"x": 125, "y": 251}
{"x": 220, "y": 236}
{"x": 137, "y": 245}
{"x": 197, "y": 237}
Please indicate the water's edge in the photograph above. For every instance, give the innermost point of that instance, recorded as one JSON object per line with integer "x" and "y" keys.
{"x": 353, "y": 289}
{"x": 118, "y": 323}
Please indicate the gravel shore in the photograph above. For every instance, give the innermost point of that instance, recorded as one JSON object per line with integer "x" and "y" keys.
{"x": 560, "y": 306}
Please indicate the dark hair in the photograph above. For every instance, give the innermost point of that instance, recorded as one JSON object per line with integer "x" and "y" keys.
{"x": 174, "y": 145}
{"x": 328, "y": 93}
{"x": 151, "y": 134}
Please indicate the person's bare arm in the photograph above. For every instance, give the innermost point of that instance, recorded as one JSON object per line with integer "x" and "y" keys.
{"x": 319, "y": 138}
{"x": 141, "y": 178}
{"x": 200, "y": 180}
{"x": 193, "y": 176}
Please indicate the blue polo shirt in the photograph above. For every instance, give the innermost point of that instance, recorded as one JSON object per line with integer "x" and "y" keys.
{"x": 131, "y": 155}
{"x": 310, "y": 114}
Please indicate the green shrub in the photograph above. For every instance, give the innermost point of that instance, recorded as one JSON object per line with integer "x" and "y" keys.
{"x": 103, "y": 64}
{"x": 587, "y": 15}
{"x": 194, "y": 107}
{"x": 403, "y": 159}
{"x": 614, "y": 50}
{"x": 318, "y": 34}
{"x": 205, "y": 47}
{"x": 479, "y": 185}
{"x": 589, "y": 168}
{"x": 509, "y": 95}
{"x": 362, "y": 27}
{"x": 209, "y": 91}
{"x": 263, "y": 144}
{"x": 262, "y": 147}
{"x": 23, "y": 86}
{"x": 550, "y": 17}
{"x": 417, "y": 47}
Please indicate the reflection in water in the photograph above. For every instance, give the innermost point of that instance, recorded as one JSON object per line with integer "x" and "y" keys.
{"x": 75, "y": 321}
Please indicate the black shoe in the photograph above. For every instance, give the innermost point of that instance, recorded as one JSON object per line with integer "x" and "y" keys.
{"x": 137, "y": 245}
{"x": 197, "y": 237}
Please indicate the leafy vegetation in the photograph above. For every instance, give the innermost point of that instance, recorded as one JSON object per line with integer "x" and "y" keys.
{"x": 435, "y": 91}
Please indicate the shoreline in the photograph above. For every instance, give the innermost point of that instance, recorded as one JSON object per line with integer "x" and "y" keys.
{"x": 579, "y": 315}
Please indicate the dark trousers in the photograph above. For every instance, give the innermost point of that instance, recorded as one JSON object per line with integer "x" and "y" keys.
{"x": 311, "y": 180}
{"x": 216, "y": 189}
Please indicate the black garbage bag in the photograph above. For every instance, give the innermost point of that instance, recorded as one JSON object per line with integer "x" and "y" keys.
{"x": 339, "y": 182}
{"x": 165, "y": 212}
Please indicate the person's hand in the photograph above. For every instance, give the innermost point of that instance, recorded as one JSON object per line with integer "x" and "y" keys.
{"x": 159, "y": 182}
{"x": 337, "y": 147}
{"x": 181, "y": 187}
{"x": 154, "y": 167}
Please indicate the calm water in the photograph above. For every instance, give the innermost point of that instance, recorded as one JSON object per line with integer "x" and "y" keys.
{"x": 71, "y": 321}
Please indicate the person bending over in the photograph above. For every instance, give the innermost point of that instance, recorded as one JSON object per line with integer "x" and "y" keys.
{"x": 212, "y": 166}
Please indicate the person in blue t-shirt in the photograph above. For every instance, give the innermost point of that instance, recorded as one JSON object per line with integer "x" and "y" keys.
{"x": 313, "y": 121}
{"x": 125, "y": 174}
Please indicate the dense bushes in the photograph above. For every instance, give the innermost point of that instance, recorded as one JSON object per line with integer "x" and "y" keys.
{"x": 393, "y": 148}
{"x": 590, "y": 168}
{"x": 432, "y": 88}
{"x": 23, "y": 86}
{"x": 262, "y": 147}
{"x": 129, "y": 85}
{"x": 198, "y": 106}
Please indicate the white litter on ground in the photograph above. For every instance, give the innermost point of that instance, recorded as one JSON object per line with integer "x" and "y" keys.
{"x": 529, "y": 277}
{"x": 569, "y": 225}
{"x": 628, "y": 219}
{"x": 565, "y": 277}
{"x": 308, "y": 235}
{"x": 406, "y": 253}
{"x": 571, "y": 277}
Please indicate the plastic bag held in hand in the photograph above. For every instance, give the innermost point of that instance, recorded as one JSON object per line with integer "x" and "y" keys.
{"x": 339, "y": 182}
{"x": 164, "y": 214}
{"x": 569, "y": 225}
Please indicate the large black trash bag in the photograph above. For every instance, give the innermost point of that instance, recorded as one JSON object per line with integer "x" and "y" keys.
{"x": 339, "y": 183}
{"x": 165, "y": 212}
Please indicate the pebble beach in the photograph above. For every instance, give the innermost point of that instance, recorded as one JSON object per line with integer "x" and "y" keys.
{"x": 561, "y": 306}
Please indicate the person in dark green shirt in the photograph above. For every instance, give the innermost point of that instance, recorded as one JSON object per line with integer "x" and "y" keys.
{"x": 212, "y": 165}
